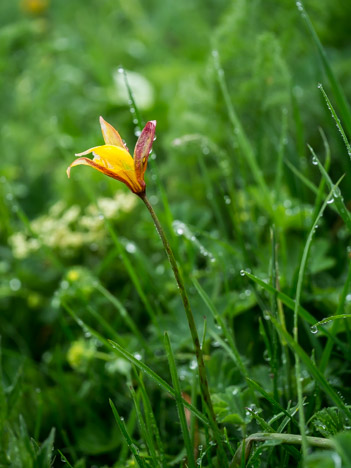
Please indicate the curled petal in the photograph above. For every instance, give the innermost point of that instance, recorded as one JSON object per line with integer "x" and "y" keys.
{"x": 110, "y": 134}
{"x": 114, "y": 162}
{"x": 142, "y": 150}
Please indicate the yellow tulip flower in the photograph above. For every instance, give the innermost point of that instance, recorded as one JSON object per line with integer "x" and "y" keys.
{"x": 114, "y": 160}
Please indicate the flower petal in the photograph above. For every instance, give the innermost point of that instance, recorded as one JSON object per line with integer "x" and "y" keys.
{"x": 113, "y": 161}
{"x": 142, "y": 150}
{"x": 110, "y": 134}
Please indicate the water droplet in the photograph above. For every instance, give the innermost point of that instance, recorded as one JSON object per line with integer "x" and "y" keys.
{"x": 193, "y": 364}
{"x": 348, "y": 298}
{"x": 331, "y": 200}
{"x": 314, "y": 161}
{"x": 120, "y": 70}
{"x": 242, "y": 272}
{"x": 227, "y": 200}
{"x": 130, "y": 247}
{"x": 266, "y": 355}
{"x": 319, "y": 86}
{"x": 137, "y": 356}
{"x": 314, "y": 329}
{"x": 336, "y": 192}
{"x": 266, "y": 315}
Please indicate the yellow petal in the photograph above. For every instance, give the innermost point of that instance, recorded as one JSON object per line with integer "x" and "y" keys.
{"x": 113, "y": 161}
{"x": 110, "y": 134}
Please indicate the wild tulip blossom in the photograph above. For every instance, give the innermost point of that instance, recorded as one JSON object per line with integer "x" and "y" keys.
{"x": 114, "y": 160}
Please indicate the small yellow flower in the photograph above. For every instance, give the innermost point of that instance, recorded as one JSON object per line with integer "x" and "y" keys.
{"x": 114, "y": 159}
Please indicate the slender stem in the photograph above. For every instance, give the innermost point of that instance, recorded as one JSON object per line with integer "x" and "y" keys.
{"x": 190, "y": 317}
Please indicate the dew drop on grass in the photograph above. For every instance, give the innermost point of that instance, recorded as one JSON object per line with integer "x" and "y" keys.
{"x": 242, "y": 272}
{"x": 137, "y": 356}
{"x": 130, "y": 247}
{"x": 314, "y": 161}
{"x": 348, "y": 298}
{"x": 314, "y": 329}
{"x": 266, "y": 315}
{"x": 120, "y": 70}
{"x": 330, "y": 201}
{"x": 336, "y": 192}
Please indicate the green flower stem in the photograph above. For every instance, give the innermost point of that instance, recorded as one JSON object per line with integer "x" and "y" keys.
{"x": 194, "y": 334}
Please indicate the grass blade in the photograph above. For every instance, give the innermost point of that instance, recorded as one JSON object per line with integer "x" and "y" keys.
{"x": 139, "y": 364}
{"x": 133, "y": 448}
{"x": 312, "y": 369}
{"x": 242, "y": 139}
{"x": 337, "y": 120}
{"x": 339, "y": 202}
{"x": 179, "y": 401}
{"x": 296, "y": 314}
{"x": 334, "y": 83}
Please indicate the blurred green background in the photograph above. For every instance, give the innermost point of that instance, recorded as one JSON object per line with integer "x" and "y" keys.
{"x": 59, "y": 70}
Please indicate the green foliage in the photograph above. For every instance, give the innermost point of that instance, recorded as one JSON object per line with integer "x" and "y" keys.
{"x": 239, "y": 177}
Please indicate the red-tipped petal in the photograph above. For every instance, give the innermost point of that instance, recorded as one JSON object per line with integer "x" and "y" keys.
{"x": 142, "y": 150}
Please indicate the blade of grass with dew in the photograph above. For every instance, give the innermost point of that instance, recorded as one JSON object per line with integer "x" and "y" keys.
{"x": 267, "y": 428}
{"x": 242, "y": 139}
{"x": 133, "y": 448}
{"x": 150, "y": 419}
{"x": 336, "y": 118}
{"x": 329, "y": 346}
{"x": 179, "y": 402}
{"x": 269, "y": 398}
{"x": 312, "y": 369}
{"x": 303, "y": 178}
{"x": 301, "y": 274}
{"x": 339, "y": 202}
{"x": 290, "y": 303}
{"x": 292, "y": 439}
{"x": 144, "y": 432}
{"x": 118, "y": 349}
{"x": 64, "y": 459}
{"x": 334, "y": 83}
{"x": 321, "y": 188}
{"x": 331, "y": 318}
